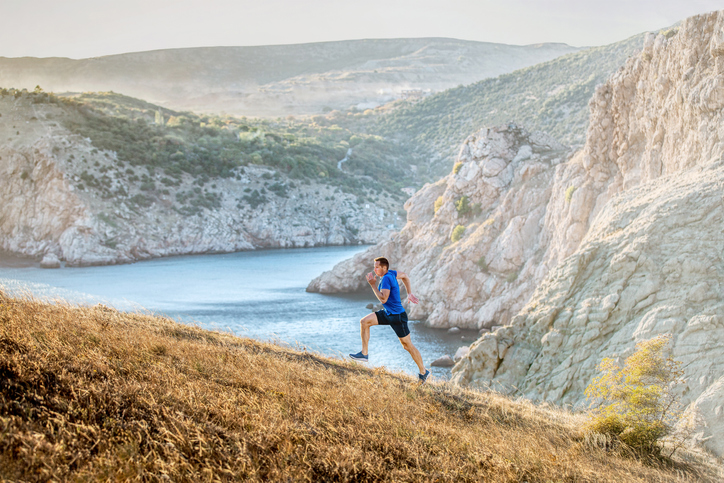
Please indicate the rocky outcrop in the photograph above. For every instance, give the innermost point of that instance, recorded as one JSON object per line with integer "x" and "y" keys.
{"x": 644, "y": 232}
{"x": 50, "y": 210}
{"x": 37, "y": 204}
{"x": 619, "y": 244}
{"x": 498, "y": 193}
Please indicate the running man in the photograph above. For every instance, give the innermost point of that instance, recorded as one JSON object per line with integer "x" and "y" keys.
{"x": 393, "y": 313}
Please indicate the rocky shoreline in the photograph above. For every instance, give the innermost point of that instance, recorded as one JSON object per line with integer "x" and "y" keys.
{"x": 52, "y": 213}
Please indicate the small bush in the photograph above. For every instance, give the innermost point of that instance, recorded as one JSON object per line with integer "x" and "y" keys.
{"x": 457, "y": 167}
{"x": 671, "y": 32}
{"x": 463, "y": 206}
{"x": 512, "y": 277}
{"x": 638, "y": 403}
{"x": 437, "y": 205}
{"x": 483, "y": 264}
{"x": 569, "y": 193}
{"x": 457, "y": 233}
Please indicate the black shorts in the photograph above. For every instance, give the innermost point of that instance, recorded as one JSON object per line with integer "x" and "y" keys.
{"x": 398, "y": 322}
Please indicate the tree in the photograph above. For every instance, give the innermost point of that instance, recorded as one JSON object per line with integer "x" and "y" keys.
{"x": 638, "y": 404}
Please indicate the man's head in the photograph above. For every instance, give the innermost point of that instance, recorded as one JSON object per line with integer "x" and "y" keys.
{"x": 381, "y": 266}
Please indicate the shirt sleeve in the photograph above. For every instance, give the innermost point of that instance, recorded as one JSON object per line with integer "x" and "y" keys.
{"x": 385, "y": 283}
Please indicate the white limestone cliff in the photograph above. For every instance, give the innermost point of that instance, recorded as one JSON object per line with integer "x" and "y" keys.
{"x": 624, "y": 242}
{"x": 46, "y": 215}
{"x": 505, "y": 176}
{"x": 638, "y": 252}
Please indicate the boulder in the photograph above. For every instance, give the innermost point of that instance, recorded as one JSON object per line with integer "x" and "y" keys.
{"x": 50, "y": 260}
{"x": 444, "y": 361}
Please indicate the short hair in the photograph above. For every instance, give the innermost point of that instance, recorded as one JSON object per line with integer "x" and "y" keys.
{"x": 383, "y": 262}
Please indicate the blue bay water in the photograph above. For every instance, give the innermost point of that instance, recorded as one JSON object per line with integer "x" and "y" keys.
{"x": 257, "y": 294}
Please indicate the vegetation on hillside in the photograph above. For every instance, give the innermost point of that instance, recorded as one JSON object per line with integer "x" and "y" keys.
{"x": 395, "y": 146}
{"x": 207, "y": 147}
{"x": 92, "y": 394}
{"x": 552, "y": 97}
{"x": 403, "y": 144}
{"x": 155, "y": 147}
{"x": 639, "y": 403}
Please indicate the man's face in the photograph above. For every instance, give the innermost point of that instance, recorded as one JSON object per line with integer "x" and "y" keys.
{"x": 380, "y": 270}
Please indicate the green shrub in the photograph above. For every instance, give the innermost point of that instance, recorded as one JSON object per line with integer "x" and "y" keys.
{"x": 438, "y": 204}
{"x": 671, "y": 32}
{"x": 255, "y": 199}
{"x": 457, "y": 233}
{"x": 456, "y": 167}
{"x": 462, "y": 205}
{"x": 141, "y": 200}
{"x": 569, "y": 193}
{"x": 637, "y": 404}
{"x": 512, "y": 277}
{"x": 483, "y": 264}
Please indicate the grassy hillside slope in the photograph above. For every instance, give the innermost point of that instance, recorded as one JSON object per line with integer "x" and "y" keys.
{"x": 552, "y": 97}
{"x": 90, "y": 394}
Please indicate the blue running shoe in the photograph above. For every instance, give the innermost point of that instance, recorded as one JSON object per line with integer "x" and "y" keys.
{"x": 423, "y": 377}
{"x": 359, "y": 357}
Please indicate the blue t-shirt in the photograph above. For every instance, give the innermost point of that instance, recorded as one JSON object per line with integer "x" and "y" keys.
{"x": 389, "y": 282}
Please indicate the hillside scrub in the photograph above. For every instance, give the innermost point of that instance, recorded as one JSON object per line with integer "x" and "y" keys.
{"x": 89, "y": 393}
{"x": 639, "y": 403}
{"x": 552, "y": 97}
{"x": 207, "y": 147}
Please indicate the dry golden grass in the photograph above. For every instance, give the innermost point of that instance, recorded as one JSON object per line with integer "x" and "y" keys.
{"x": 91, "y": 394}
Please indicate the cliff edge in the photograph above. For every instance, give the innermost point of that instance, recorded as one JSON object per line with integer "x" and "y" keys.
{"x": 580, "y": 259}
{"x": 650, "y": 259}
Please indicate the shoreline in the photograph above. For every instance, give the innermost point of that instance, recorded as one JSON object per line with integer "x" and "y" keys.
{"x": 16, "y": 260}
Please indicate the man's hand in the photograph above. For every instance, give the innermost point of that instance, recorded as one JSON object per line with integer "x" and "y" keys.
{"x": 371, "y": 278}
{"x": 412, "y": 298}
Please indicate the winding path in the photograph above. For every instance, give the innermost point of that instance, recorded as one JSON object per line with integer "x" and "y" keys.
{"x": 346, "y": 158}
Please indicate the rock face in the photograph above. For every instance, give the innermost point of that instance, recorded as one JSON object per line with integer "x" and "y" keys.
{"x": 499, "y": 192}
{"x": 583, "y": 260}
{"x": 644, "y": 231}
{"x": 46, "y": 214}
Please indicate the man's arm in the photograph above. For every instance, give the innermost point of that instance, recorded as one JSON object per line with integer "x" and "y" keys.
{"x": 408, "y": 286}
{"x": 382, "y": 295}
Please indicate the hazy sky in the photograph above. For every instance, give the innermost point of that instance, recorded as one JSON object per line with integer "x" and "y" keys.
{"x": 87, "y": 28}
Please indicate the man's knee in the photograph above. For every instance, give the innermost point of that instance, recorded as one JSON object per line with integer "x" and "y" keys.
{"x": 368, "y": 320}
{"x": 406, "y": 343}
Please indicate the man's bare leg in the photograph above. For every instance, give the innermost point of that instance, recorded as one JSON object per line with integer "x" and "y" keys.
{"x": 364, "y": 329}
{"x": 409, "y": 347}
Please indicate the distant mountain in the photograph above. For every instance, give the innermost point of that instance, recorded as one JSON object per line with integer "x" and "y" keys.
{"x": 280, "y": 80}
{"x": 552, "y": 97}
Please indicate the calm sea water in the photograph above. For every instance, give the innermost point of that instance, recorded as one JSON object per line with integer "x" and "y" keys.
{"x": 259, "y": 294}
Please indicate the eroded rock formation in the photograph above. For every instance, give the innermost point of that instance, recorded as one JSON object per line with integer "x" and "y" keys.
{"x": 650, "y": 257}
{"x": 499, "y": 192}
{"x": 50, "y": 212}
{"x": 619, "y": 244}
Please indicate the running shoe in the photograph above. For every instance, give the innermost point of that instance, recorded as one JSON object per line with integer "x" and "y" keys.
{"x": 423, "y": 377}
{"x": 359, "y": 357}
